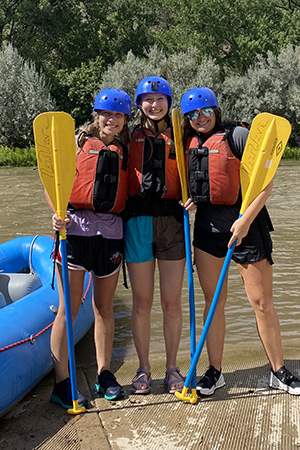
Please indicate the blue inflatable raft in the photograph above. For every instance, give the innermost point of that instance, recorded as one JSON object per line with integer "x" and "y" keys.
{"x": 28, "y": 305}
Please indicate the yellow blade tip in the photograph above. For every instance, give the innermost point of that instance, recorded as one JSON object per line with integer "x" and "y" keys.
{"x": 76, "y": 409}
{"x": 194, "y": 397}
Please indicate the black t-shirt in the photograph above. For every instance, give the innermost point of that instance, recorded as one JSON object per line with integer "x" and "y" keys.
{"x": 219, "y": 218}
{"x": 152, "y": 206}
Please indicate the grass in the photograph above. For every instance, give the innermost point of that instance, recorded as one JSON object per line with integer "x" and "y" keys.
{"x": 291, "y": 153}
{"x": 17, "y": 156}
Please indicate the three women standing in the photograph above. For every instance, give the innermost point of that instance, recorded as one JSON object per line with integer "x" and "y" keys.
{"x": 154, "y": 231}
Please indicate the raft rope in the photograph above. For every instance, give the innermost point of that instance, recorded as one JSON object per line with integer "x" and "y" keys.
{"x": 32, "y": 338}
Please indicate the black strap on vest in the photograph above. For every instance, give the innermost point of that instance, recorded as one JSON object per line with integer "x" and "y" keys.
{"x": 125, "y": 154}
{"x": 202, "y": 151}
{"x": 124, "y": 274}
{"x": 54, "y": 257}
{"x": 172, "y": 154}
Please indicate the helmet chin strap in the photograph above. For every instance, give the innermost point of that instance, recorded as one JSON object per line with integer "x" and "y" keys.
{"x": 156, "y": 123}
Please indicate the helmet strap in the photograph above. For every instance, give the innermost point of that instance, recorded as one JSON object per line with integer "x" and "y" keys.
{"x": 156, "y": 122}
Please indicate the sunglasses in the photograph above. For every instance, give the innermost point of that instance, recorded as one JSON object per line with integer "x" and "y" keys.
{"x": 207, "y": 112}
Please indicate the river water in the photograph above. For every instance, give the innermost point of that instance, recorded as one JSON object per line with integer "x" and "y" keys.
{"x": 24, "y": 211}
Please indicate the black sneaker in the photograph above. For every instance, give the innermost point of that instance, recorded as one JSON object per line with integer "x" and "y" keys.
{"x": 284, "y": 380}
{"x": 107, "y": 384}
{"x": 62, "y": 394}
{"x": 212, "y": 379}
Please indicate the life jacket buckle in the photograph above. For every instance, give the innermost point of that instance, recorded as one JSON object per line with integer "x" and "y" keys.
{"x": 156, "y": 164}
{"x": 202, "y": 151}
{"x": 199, "y": 176}
{"x": 112, "y": 155}
{"x": 110, "y": 179}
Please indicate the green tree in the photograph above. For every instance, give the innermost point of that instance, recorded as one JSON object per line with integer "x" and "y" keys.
{"x": 65, "y": 38}
{"x": 80, "y": 85}
{"x": 232, "y": 32}
{"x": 73, "y": 42}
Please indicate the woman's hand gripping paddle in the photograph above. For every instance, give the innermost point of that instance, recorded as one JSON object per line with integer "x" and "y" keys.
{"x": 264, "y": 148}
{"x": 54, "y": 134}
{"x": 188, "y": 250}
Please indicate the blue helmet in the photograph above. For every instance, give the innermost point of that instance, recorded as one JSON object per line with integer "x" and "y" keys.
{"x": 113, "y": 100}
{"x": 196, "y": 98}
{"x": 153, "y": 84}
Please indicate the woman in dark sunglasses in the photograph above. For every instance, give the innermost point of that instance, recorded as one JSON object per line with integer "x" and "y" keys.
{"x": 214, "y": 153}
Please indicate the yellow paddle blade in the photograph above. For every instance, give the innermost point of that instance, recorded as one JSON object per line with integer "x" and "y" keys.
{"x": 179, "y": 149}
{"x": 54, "y": 135}
{"x": 264, "y": 148}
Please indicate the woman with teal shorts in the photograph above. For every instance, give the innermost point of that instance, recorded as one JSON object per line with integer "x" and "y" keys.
{"x": 154, "y": 231}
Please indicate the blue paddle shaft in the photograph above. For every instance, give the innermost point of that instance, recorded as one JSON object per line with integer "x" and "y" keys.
{"x": 63, "y": 250}
{"x": 211, "y": 313}
{"x": 189, "y": 266}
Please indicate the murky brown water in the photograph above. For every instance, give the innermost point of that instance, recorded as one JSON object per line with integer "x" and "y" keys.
{"x": 24, "y": 211}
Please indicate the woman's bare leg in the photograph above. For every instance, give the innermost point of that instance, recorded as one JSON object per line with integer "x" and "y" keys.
{"x": 171, "y": 279}
{"x": 209, "y": 268}
{"x": 258, "y": 281}
{"x": 104, "y": 289}
{"x": 58, "y": 342}
{"x": 142, "y": 283}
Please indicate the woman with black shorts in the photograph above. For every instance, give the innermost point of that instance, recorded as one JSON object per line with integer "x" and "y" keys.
{"x": 214, "y": 153}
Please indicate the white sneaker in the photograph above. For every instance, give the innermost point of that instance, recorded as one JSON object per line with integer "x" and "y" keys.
{"x": 212, "y": 379}
{"x": 284, "y": 380}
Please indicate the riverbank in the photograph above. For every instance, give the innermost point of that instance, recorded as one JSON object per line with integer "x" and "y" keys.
{"x": 17, "y": 157}
{"x": 245, "y": 414}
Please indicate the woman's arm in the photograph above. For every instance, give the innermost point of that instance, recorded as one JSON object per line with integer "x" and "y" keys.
{"x": 241, "y": 226}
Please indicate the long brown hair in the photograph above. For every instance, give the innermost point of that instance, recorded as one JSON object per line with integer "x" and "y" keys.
{"x": 93, "y": 129}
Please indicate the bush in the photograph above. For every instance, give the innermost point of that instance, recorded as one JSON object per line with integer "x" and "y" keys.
{"x": 291, "y": 153}
{"x": 24, "y": 94}
{"x": 271, "y": 85}
{"x": 183, "y": 71}
{"x": 17, "y": 156}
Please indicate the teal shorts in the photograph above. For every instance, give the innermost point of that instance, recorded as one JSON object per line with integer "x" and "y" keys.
{"x": 147, "y": 238}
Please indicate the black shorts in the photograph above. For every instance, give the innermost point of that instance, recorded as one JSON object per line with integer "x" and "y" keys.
{"x": 95, "y": 253}
{"x": 255, "y": 247}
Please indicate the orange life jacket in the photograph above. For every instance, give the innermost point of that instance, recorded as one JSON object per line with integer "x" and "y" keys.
{"x": 101, "y": 177}
{"x": 152, "y": 165}
{"x": 213, "y": 170}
